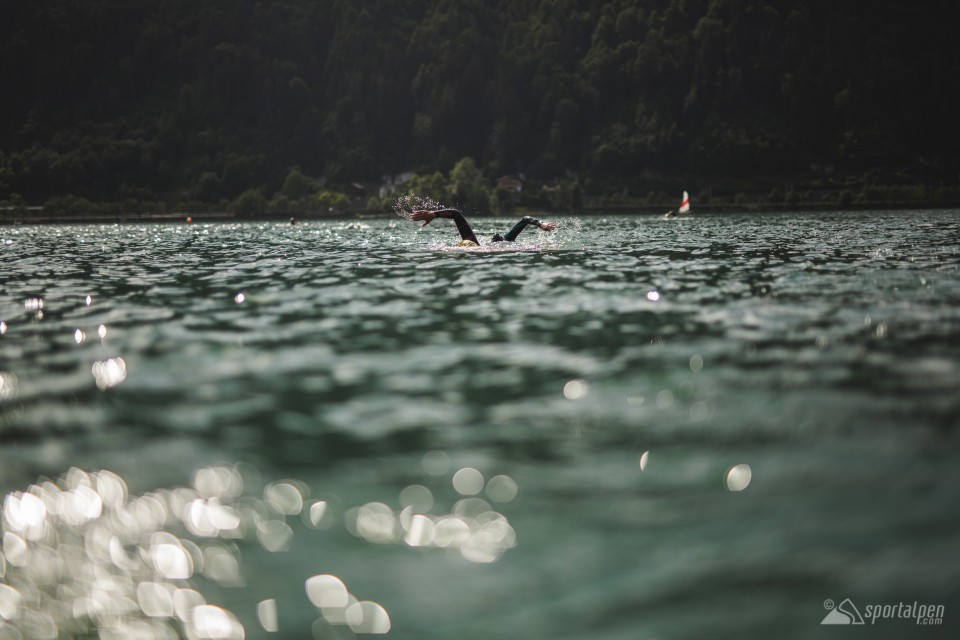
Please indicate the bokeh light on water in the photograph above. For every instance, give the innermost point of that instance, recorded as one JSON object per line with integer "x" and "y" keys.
{"x": 110, "y": 372}
{"x": 83, "y": 556}
{"x": 738, "y": 477}
{"x": 8, "y": 385}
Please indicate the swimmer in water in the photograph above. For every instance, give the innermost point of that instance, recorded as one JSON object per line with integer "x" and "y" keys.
{"x": 467, "y": 237}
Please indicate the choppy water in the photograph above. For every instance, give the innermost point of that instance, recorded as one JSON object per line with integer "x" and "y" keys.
{"x": 711, "y": 426}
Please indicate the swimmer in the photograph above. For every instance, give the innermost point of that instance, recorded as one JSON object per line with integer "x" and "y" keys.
{"x": 467, "y": 236}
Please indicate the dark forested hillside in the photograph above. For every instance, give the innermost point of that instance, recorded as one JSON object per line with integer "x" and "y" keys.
{"x": 204, "y": 100}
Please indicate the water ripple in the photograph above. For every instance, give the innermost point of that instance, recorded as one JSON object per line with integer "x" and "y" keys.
{"x": 821, "y": 352}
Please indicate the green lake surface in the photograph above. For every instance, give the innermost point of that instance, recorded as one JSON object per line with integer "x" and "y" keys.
{"x": 636, "y": 428}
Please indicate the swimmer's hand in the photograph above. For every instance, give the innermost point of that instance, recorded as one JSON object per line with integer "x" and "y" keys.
{"x": 425, "y": 215}
{"x": 547, "y": 226}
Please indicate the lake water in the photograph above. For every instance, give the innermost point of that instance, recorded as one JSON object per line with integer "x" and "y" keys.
{"x": 630, "y": 428}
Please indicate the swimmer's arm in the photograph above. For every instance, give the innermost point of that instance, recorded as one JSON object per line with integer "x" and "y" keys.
{"x": 524, "y": 221}
{"x": 423, "y": 214}
{"x": 466, "y": 233}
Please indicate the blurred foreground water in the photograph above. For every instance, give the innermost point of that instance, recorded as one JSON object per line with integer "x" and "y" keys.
{"x": 712, "y": 427}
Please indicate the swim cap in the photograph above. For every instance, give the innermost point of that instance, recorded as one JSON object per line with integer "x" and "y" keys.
{"x": 467, "y": 243}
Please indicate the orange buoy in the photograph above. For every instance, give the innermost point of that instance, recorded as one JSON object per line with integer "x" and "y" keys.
{"x": 189, "y": 220}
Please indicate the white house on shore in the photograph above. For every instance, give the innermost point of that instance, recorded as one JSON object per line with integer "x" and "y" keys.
{"x": 391, "y": 182}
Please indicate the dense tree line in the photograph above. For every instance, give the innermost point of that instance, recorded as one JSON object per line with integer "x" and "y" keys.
{"x": 211, "y": 100}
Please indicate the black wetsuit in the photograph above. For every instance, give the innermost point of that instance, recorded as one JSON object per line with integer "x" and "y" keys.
{"x": 466, "y": 233}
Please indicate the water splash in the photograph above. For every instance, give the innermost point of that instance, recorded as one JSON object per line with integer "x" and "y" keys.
{"x": 405, "y": 205}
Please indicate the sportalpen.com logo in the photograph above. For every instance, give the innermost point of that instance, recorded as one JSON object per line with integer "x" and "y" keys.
{"x": 847, "y": 613}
